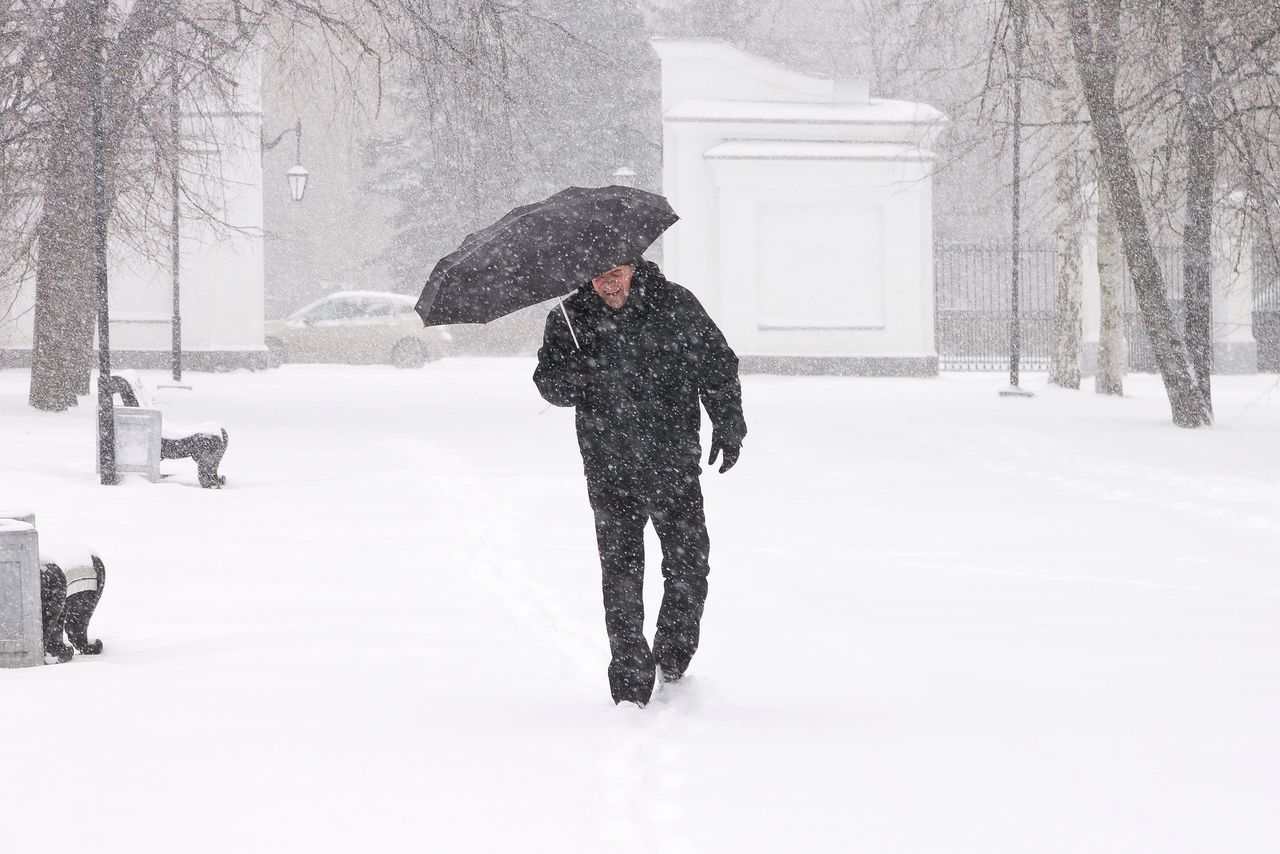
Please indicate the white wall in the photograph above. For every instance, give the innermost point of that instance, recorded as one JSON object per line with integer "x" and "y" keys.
{"x": 221, "y": 270}
{"x": 806, "y": 210}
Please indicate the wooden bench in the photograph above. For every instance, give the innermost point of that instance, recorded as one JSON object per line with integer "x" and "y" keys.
{"x": 205, "y": 443}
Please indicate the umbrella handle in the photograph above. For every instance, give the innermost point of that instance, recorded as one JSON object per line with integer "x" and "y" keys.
{"x": 565, "y": 312}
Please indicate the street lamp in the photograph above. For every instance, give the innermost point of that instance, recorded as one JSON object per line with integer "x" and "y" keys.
{"x": 175, "y": 217}
{"x": 1019, "y": 10}
{"x": 106, "y": 409}
{"x": 297, "y": 182}
{"x": 297, "y": 175}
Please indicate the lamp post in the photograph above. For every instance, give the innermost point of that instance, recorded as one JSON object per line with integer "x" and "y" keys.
{"x": 175, "y": 259}
{"x": 1018, "y": 11}
{"x": 297, "y": 182}
{"x": 297, "y": 175}
{"x": 106, "y": 413}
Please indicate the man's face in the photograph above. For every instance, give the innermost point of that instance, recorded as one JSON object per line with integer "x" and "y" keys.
{"x": 614, "y": 286}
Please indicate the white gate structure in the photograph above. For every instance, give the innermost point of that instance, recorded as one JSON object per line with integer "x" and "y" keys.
{"x": 806, "y": 212}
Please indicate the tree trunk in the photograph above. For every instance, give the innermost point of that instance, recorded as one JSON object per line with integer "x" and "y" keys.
{"x": 1096, "y": 65}
{"x": 66, "y": 306}
{"x": 1065, "y": 371}
{"x": 1197, "y": 234}
{"x": 64, "y": 312}
{"x": 1111, "y": 356}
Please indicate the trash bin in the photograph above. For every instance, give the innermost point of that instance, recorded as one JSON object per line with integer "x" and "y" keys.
{"x": 138, "y": 441}
{"x": 21, "y": 638}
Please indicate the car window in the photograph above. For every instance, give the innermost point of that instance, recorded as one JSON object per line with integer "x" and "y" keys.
{"x": 324, "y": 311}
{"x": 339, "y": 308}
{"x": 384, "y": 308}
{"x": 357, "y": 307}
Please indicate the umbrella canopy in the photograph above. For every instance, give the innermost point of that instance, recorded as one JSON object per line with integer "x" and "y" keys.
{"x": 541, "y": 251}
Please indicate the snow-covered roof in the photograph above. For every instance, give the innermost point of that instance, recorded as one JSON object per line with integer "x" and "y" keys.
{"x": 875, "y": 111}
{"x": 701, "y": 69}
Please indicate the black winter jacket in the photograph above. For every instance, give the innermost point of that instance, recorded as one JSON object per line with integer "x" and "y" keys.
{"x": 638, "y": 378}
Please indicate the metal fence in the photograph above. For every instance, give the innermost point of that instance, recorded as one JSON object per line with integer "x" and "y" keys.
{"x": 973, "y": 303}
{"x": 1266, "y": 307}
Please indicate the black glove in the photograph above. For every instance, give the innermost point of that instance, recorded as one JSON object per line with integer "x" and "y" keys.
{"x": 731, "y": 447}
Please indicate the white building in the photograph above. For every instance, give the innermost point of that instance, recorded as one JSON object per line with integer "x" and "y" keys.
{"x": 806, "y": 212}
{"x": 221, "y": 269}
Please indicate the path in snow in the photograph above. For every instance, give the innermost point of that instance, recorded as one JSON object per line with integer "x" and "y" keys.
{"x": 939, "y": 621}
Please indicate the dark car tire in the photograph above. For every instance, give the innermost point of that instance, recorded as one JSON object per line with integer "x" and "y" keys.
{"x": 409, "y": 353}
{"x": 277, "y": 352}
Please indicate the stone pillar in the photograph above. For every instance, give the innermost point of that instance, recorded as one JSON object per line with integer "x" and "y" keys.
{"x": 1234, "y": 349}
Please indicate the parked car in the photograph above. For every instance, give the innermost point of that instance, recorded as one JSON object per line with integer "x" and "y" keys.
{"x": 358, "y": 328}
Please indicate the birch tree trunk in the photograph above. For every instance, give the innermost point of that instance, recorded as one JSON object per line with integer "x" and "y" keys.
{"x": 1065, "y": 370}
{"x": 1096, "y": 55}
{"x": 1111, "y": 353}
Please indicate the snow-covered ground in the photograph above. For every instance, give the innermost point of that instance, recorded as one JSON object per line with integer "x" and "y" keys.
{"x": 940, "y": 621}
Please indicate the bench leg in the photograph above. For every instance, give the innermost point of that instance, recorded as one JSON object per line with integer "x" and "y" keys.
{"x": 53, "y": 602}
{"x": 79, "y": 610}
{"x": 207, "y": 452}
{"x": 208, "y": 460}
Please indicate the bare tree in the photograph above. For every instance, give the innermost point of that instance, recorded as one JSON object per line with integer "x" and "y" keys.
{"x": 19, "y": 163}
{"x": 1201, "y": 156}
{"x": 1095, "y": 29}
{"x": 1109, "y": 378}
{"x": 1065, "y": 370}
{"x": 145, "y": 43}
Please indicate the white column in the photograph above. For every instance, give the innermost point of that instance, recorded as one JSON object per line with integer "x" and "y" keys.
{"x": 1234, "y": 348}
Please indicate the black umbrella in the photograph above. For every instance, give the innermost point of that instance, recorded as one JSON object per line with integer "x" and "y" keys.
{"x": 542, "y": 251}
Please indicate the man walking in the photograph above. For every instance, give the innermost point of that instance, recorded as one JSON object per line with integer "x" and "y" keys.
{"x": 645, "y": 354}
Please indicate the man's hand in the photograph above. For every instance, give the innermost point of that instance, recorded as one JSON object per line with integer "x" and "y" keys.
{"x": 730, "y": 448}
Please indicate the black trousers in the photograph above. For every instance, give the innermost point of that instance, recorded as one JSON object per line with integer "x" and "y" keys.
{"x": 673, "y": 502}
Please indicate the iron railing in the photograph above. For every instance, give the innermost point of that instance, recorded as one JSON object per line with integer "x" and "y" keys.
{"x": 973, "y": 302}
{"x": 1266, "y": 306}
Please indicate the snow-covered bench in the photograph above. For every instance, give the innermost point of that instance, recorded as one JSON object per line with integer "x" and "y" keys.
{"x": 164, "y": 439}
{"x": 69, "y": 582}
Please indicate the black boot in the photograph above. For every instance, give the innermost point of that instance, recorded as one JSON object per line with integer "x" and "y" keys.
{"x": 631, "y": 678}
